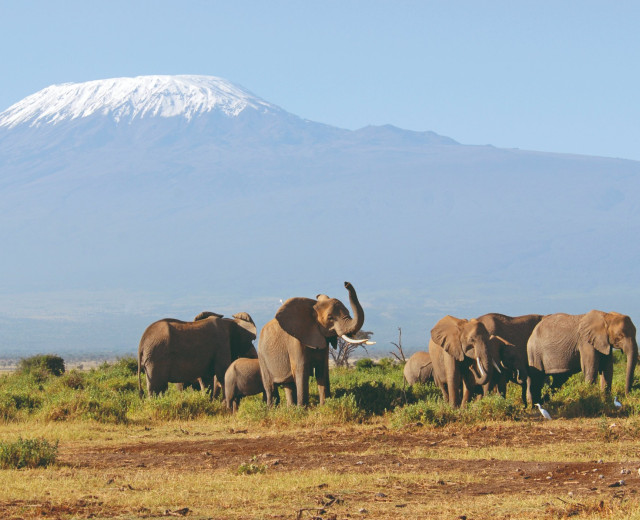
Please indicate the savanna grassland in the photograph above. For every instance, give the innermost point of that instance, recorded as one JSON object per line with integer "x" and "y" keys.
{"x": 82, "y": 444}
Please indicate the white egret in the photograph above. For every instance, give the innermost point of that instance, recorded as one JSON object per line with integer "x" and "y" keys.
{"x": 617, "y": 403}
{"x": 544, "y": 413}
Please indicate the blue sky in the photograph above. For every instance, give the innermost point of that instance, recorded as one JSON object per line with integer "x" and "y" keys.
{"x": 544, "y": 75}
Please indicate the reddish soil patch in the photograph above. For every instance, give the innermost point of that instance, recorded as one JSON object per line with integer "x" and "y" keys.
{"x": 372, "y": 451}
{"x": 353, "y": 450}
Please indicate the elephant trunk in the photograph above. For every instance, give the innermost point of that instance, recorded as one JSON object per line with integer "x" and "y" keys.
{"x": 484, "y": 370}
{"x": 631, "y": 350}
{"x": 353, "y": 325}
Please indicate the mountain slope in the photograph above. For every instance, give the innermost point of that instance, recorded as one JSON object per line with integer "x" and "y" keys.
{"x": 140, "y": 198}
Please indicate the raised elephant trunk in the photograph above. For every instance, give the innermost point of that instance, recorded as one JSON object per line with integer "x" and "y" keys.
{"x": 353, "y": 325}
{"x": 631, "y": 350}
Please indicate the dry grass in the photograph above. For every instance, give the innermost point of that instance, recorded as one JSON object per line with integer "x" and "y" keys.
{"x": 494, "y": 470}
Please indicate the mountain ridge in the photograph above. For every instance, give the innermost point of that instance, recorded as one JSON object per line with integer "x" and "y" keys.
{"x": 109, "y": 226}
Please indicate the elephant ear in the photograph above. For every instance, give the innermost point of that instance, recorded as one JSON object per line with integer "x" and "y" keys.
{"x": 446, "y": 333}
{"x": 298, "y": 318}
{"x": 499, "y": 345}
{"x": 593, "y": 329}
{"x": 244, "y": 320}
{"x": 206, "y": 314}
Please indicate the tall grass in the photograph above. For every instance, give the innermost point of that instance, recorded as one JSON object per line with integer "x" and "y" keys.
{"x": 108, "y": 394}
{"x": 27, "y": 453}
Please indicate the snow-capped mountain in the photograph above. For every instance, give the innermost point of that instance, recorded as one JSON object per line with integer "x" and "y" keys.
{"x": 127, "y": 99}
{"x": 132, "y": 199}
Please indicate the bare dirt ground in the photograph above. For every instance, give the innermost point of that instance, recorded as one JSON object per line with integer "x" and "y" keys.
{"x": 376, "y": 450}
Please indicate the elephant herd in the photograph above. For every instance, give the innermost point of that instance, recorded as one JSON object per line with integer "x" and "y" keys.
{"x": 465, "y": 357}
{"x": 292, "y": 346}
{"x": 482, "y": 354}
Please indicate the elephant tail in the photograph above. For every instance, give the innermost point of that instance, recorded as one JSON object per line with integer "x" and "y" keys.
{"x": 140, "y": 392}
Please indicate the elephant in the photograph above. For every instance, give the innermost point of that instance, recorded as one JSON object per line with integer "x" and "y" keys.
{"x": 512, "y": 360}
{"x": 215, "y": 388}
{"x": 174, "y": 351}
{"x": 564, "y": 344}
{"x": 243, "y": 378}
{"x": 461, "y": 356}
{"x": 516, "y": 330}
{"x": 295, "y": 343}
{"x": 418, "y": 368}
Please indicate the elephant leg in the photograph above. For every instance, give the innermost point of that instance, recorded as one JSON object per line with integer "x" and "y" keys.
{"x": 468, "y": 387}
{"x": 453, "y": 386}
{"x": 322, "y": 379}
{"x": 560, "y": 379}
{"x": 524, "y": 393}
{"x": 606, "y": 375}
{"x": 217, "y": 389}
{"x": 302, "y": 384}
{"x": 443, "y": 388}
{"x": 290, "y": 394}
{"x": 536, "y": 381}
{"x": 235, "y": 403}
{"x": 267, "y": 384}
{"x": 589, "y": 363}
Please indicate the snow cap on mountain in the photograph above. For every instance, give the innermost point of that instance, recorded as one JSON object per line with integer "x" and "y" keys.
{"x": 126, "y": 99}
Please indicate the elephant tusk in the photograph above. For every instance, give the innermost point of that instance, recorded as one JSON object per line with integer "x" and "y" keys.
{"x": 369, "y": 342}
{"x": 497, "y": 367}
{"x": 480, "y": 368}
{"x": 518, "y": 375}
{"x": 353, "y": 341}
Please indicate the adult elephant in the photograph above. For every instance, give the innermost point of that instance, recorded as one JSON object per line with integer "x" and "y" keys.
{"x": 418, "y": 368}
{"x": 512, "y": 360}
{"x": 564, "y": 344}
{"x": 174, "y": 351}
{"x": 296, "y": 343}
{"x": 461, "y": 357}
{"x": 516, "y": 330}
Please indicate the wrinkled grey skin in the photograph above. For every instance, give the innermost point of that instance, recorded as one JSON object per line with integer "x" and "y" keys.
{"x": 243, "y": 378}
{"x": 565, "y": 344}
{"x": 515, "y": 330}
{"x": 456, "y": 347}
{"x": 174, "y": 351}
{"x": 215, "y": 388}
{"x": 418, "y": 368}
{"x": 512, "y": 361}
{"x": 295, "y": 343}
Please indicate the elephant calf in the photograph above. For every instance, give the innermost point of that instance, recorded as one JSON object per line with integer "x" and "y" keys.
{"x": 243, "y": 378}
{"x": 418, "y": 368}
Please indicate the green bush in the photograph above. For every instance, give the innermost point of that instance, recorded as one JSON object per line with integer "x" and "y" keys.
{"x": 27, "y": 453}
{"x": 45, "y": 363}
{"x": 492, "y": 407}
{"x": 576, "y": 398}
{"x": 174, "y": 405}
{"x": 364, "y": 364}
{"x": 435, "y": 413}
{"x": 341, "y": 410}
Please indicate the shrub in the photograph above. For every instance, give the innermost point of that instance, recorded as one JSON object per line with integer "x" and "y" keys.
{"x": 44, "y": 363}
{"x": 576, "y": 398}
{"x": 492, "y": 407}
{"x": 74, "y": 380}
{"x": 341, "y": 410}
{"x": 364, "y": 364}
{"x": 436, "y": 413}
{"x": 27, "y": 453}
{"x": 173, "y": 405}
{"x": 251, "y": 468}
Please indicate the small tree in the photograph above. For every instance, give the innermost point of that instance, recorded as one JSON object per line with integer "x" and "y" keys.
{"x": 344, "y": 349}
{"x": 400, "y": 354}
